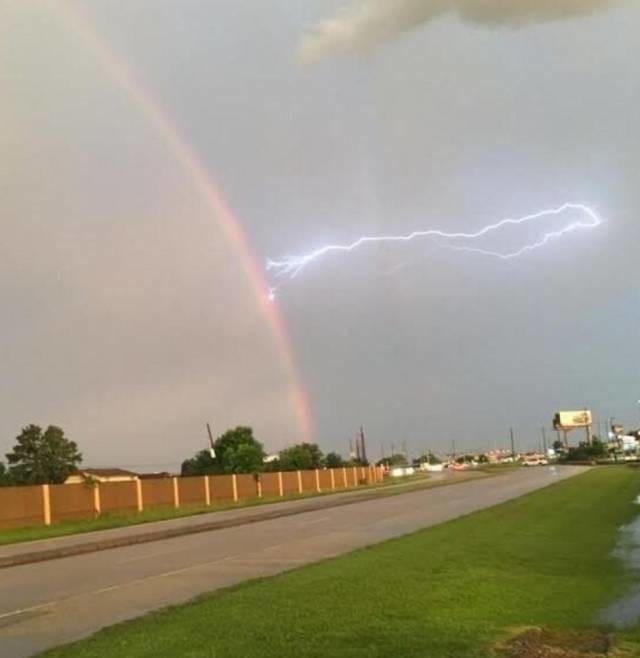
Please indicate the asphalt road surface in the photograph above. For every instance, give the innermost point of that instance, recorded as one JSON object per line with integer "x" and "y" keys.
{"x": 55, "y": 602}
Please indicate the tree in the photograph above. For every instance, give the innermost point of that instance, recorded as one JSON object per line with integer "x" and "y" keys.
{"x": 244, "y": 458}
{"x": 201, "y": 464}
{"x": 429, "y": 458}
{"x": 333, "y": 460}
{"x": 395, "y": 460}
{"x": 272, "y": 466}
{"x": 587, "y": 452}
{"x": 301, "y": 457}
{"x": 5, "y": 480}
{"x": 42, "y": 457}
{"x": 236, "y": 451}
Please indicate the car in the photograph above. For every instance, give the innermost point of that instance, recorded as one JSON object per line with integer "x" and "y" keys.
{"x": 534, "y": 460}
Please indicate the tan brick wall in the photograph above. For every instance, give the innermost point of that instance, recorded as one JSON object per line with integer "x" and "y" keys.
{"x": 308, "y": 481}
{"x": 325, "y": 480}
{"x": 157, "y": 492}
{"x": 270, "y": 486}
{"x": 341, "y": 483}
{"x": 117, "y": 496}
{"x": 191, "y": 491}
{"x": 23, "y": 506}
{"x": 290, "y": 482}
{"x": 221, "y": 487}
{"x": 20, "y": 506}
{"x": 71, "y": 501}
{"x": 247, "y": 486}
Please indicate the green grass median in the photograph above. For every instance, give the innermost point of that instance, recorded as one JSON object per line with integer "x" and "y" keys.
{"x": 454, "y": 590}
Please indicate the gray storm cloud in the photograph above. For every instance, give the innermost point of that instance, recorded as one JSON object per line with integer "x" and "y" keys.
{"x": 367, "y": 24}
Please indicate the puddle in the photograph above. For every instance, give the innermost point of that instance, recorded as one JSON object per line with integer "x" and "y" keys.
{"x": 626, "y": 612}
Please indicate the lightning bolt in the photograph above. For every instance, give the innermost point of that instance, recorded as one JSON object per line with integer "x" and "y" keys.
{"x": 548, "y": 237}
{"x": 292, "y": 265}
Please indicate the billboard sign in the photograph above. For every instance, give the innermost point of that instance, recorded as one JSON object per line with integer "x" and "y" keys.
{"x": 569, "y": 420}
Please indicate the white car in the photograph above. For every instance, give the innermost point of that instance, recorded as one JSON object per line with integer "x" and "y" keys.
{"x": 535, "y": 461}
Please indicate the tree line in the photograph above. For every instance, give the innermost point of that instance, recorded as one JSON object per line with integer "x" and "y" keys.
{"x": 49, "y": 457}
{"x": 238, "y": 451}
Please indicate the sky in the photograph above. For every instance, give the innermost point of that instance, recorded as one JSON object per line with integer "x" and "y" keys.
{"x": 133, "y": 313}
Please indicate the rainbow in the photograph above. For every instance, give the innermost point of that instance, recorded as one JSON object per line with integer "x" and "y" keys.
{"x": 121, "y": 73}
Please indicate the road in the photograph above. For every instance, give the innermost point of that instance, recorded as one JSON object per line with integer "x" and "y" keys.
{"x": 55, "y": 602}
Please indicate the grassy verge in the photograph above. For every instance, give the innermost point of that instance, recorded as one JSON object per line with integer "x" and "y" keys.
{"x": 451, "y": 591}
{"x": 113, "y": 520}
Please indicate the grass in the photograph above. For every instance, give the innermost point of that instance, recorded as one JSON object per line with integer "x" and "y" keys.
{"x": 451, "y": 591}
{"x": 115, "y": 520}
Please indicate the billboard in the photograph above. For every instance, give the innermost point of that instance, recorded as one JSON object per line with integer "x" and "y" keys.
{"x": 569, "y": 420}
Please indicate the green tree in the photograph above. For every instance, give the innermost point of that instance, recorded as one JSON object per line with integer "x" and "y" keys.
{"x": 429, "y": 458}
{"x": 272, "y": 466}
{"x": 42, "y": 457}
{"x": 244, "y": 458}
{"x": 301, "y": 457}
{"x": 201, "y": 464}
{"x": 5, "y": 480}
{"x": 333, "y": 460}
{"x": 397, "y": 459}
{"x": 236, "y": 451}
{"x": 587, "y": 452}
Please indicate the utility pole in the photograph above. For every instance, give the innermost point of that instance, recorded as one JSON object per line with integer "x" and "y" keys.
{"x": 544, "y": 439}
{"x": 513, "y": 450}
{"x": 212, "y": 451}
{"x": 363, "y": 445}
{"x": 358, "y": 452}
{"x": 588, "y": 428}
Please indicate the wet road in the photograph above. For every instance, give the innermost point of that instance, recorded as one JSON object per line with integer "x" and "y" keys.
{"x": 50, "y": 603}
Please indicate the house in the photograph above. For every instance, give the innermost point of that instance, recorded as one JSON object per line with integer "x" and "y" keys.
{"x": 157, "y": 475}
{"x": 102, "y": 475}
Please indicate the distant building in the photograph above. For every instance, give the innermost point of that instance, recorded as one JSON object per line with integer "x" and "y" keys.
{"x": 499, "y": 456}
{"x": 154, "y": 476}
{"x": 102, "y": 475}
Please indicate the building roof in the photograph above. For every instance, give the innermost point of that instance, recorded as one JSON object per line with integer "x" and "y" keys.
{"x": 153, "y": 476}
{"x": 107, "y": 472}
